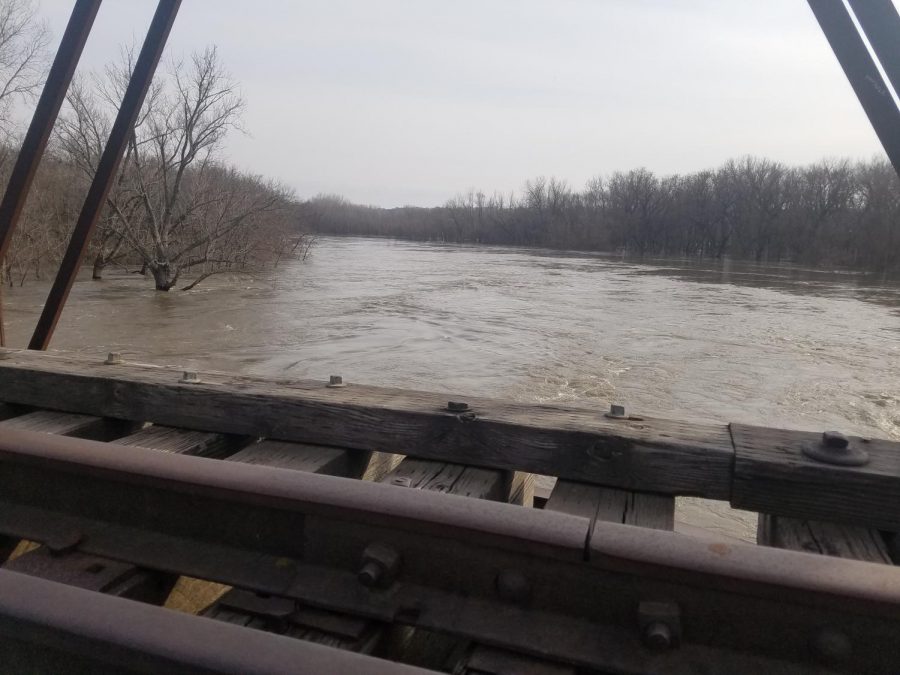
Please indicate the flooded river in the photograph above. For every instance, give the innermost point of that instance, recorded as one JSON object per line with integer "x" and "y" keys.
{"x": 721, "y": 342}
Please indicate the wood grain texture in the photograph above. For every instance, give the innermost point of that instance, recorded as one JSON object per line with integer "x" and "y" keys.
{"x": 457, "y": 479}
{"x": 68, "y": 424}
{"x": 575, "y": 443}
{"x": 184, "y": 441}
{"x": 772, "y": 475}
{"x": 611, "y": 505}
{"x": 834, "y": 539}
{"x": 297, "y": 456}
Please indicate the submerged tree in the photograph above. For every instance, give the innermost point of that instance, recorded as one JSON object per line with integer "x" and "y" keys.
{"x": 174, "y": 204}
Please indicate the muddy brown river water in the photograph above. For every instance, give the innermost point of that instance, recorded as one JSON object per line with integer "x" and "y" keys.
{"x": 724, "y": 342}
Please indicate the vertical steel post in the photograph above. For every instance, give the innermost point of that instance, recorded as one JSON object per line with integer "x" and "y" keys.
{"x": 144, "y": 68}
{"x": 45, "y": 114}
{"x": 860, "y": 69}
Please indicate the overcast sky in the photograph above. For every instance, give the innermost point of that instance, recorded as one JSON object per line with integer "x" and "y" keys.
{"x": 394, "y": 102}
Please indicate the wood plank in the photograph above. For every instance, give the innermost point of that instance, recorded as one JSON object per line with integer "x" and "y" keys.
{"x": 834, "y": 539}
{"x": 69, "y": 424}
{"x": 772, "y": 475}
{"x": 185, "y": 442}
{"x": 456, "y": 479}
{"x": 611, "y": 505}
{"x": 297, "y": 456}
{"x": 574, "y": 443}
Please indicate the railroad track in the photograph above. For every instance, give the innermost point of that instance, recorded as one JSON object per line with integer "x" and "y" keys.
{"x": 322, "y": 528}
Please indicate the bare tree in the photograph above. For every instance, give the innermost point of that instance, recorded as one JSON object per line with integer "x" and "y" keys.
{"x": 23, "y": 55}
{"x": 174, "y": 205}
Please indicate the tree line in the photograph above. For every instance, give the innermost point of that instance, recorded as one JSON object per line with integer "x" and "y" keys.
{"x": 176, "y": 208}
{"x": 833, "y": 212}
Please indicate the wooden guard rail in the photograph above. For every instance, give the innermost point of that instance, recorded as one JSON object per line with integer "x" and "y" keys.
{"x": 751, "y": 467}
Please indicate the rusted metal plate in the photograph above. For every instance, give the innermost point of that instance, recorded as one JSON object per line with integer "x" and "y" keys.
{"x": 94, "y": 573}
{"x": 522, "y": 579}
{"x": 46, "y": 627}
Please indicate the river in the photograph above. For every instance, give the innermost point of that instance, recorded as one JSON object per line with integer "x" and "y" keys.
{"x": 714, "y": 341}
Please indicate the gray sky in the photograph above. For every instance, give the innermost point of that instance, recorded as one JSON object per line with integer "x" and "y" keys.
{"x": 395, "y": 102}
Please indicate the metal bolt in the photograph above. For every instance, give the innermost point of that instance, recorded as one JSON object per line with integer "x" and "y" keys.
{"x": 513, "y": 586}
{"x": 835, "y": 448}
{"x": 835, "y": 439}
{"x": 380, "y": 564}
{"x": 660, "y": 624}
{"x": 336, "y": 381}
{"x": 370, "y": 574}
{"x": 658, "y": 636}
{"x": 832, "y": 645}
{"x": 190, "y": 377}
{"x": 616, "y": 411}
{"x": 113, "y": 358}
{"x": 457, "y": 406}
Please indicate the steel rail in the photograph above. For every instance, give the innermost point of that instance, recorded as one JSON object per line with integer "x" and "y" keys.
{"x": 51, "y": 627}
{"x": 135, "y": 92}
{"x": 535, "y": 582}
{"x": 860, "y": 69}
{"x": 45, "y": 113}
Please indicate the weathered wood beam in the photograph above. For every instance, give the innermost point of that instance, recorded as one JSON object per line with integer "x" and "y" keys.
{"x": 611, "y": 505}
{"x": 575, "y": 443}
{"x": 842, "y": 541}
{"x": 68, "y": 424}
{"x": 185, "y": 441}
{"x": 773, "y": 475}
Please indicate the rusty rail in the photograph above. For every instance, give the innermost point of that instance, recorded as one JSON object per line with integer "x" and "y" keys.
{"x": 54, "y": 628}
{"x": 545, "y": 584}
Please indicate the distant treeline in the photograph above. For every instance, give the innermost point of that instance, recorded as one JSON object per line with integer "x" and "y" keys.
{"x": 828, "y": 213}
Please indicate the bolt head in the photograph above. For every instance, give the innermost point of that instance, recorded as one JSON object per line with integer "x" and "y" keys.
{"x": 616, "y": 410}
{"x": 190, "y": 376}
{"x": 370, "y": 574}
{"x": 336, "y": 381}
{"x": 379, "y": 566}
{"x": 113, "y": 358}
{"x": 835, "y": 440}
{"x": 658, "y": 636}
{"x": 457, "y": 406}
